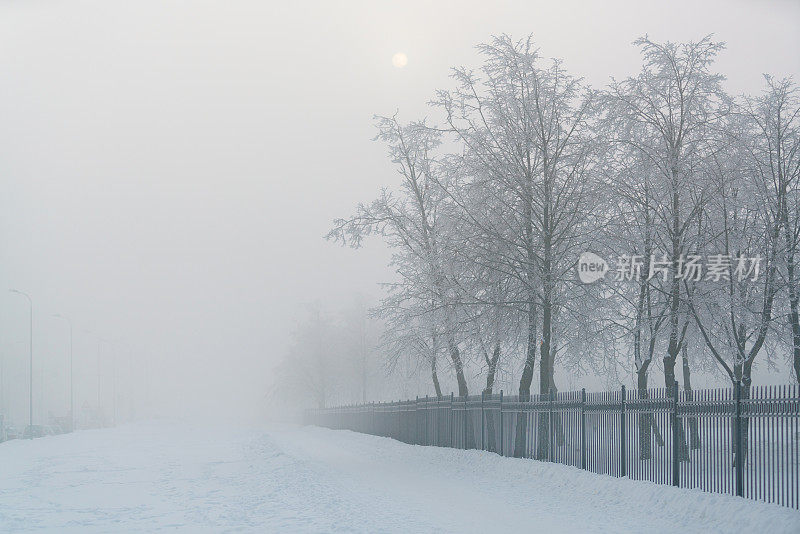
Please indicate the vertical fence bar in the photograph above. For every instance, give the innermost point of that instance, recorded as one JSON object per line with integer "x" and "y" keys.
{"x": 502, "y": 448}
{"x": 465, "y": 422}
{"x": 550, "y": 425}
{"x": 452, "y": 422}
{"x": 738, "y": 449}
{"x": 676, "y": 474}
{"x": 416, "y": 421}
{"x": 438, "y": 420}
{"x": 583, "y": 428}
{"x": 483, "y": 395}
{"x": 427, "y": 437}
{"x": 622, "y": 447}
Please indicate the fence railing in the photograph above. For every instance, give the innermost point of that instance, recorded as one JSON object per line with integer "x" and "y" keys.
{"x": 690, "y": 439}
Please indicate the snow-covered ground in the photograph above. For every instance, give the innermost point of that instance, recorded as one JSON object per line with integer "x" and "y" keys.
{"x": 169, "y": 475}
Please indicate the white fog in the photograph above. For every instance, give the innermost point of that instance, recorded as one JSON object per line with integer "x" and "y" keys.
{"x": 170, "y": 177}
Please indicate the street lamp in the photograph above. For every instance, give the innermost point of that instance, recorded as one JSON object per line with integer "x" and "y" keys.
{"x": 71, "y": 380}
{"x": 30, "y": 345}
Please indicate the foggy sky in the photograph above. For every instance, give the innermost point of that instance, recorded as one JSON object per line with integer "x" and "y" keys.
{"x": 168, "y": 169}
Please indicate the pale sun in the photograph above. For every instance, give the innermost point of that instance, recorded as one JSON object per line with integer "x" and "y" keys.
{"x": 399, "y": 60}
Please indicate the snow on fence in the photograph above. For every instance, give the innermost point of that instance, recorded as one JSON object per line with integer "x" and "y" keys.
{"x": 690, "y": 439}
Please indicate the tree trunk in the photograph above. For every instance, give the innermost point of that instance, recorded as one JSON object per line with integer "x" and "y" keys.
{"x": 545, "y": 365}
{"x": 543, "y": 433}
{"x": 435, "y": 377}
{"x": 545, "y": 422}
{"x": 794, "y": 294}
{"x": 694, "y": 434}
{"x": 543, "y": 445}
{"x": 647, "y": 422}
{"x": 645, "y": 418}
{"x": 670, "y": 382}
{"x": 455, "y": 356}
{"x": 674, "y": 343}
{"x": 525, "y": 381}
{"x": 742, "y": 372}
{"x": 491, "y": 439}
{"x": 680, "y": 435}
{"x": 547, "y": 388}
{"x": 521, "y": 434}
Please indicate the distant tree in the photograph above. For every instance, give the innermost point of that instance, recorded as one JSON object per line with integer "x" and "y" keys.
{"x": 360, "y": 333}
{"x": 412, "y": 223}
{"x": 411, "y": 333}
{"x": 309, "y": 368}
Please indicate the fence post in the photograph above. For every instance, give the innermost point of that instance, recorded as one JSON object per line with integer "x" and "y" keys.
{"x": 423, "y": 417}
{"x": 452, "y": 421}
{"x": 583, "y": 428}
{"x": 483, "y": 394}
{"x": 416, "y": 421}
{"x": 738, "y": 445}
{"x": 676, "y": 472}
{"x": 465, "y": 422}
{"x": 427, "y": 437}
{"x": 502, "y": 452}
{"x": 437, "y": 421}
{"x": 550, "y": 423}
{"x": 398, "y": 410}
{"x": 623, "y": 466}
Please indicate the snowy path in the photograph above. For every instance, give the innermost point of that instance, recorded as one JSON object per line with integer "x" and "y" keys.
{"x": 178, "y": 476}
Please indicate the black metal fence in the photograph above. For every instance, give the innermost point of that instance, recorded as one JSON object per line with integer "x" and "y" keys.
{"x": 687, "y": 439}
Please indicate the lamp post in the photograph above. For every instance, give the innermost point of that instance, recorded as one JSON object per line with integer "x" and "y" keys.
{"x": 71, "y": 377}
{"x": 30, "y": 345}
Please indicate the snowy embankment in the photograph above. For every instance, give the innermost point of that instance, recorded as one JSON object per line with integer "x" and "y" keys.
{"x": 179, "y": 476}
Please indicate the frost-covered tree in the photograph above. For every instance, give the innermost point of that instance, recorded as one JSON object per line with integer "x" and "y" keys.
{"x": 733, "y": 307}
{"x": 637, "y": 303}
{"x": 412, "y": 222}
{"x": 666, "y": 113}
{"x": 524, "y": 128}
{"x": 537, "y": 168}
{"x": 775, "y": 119}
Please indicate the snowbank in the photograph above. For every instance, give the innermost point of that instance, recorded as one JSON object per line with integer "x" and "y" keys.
{"x": 185, "y": 477}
